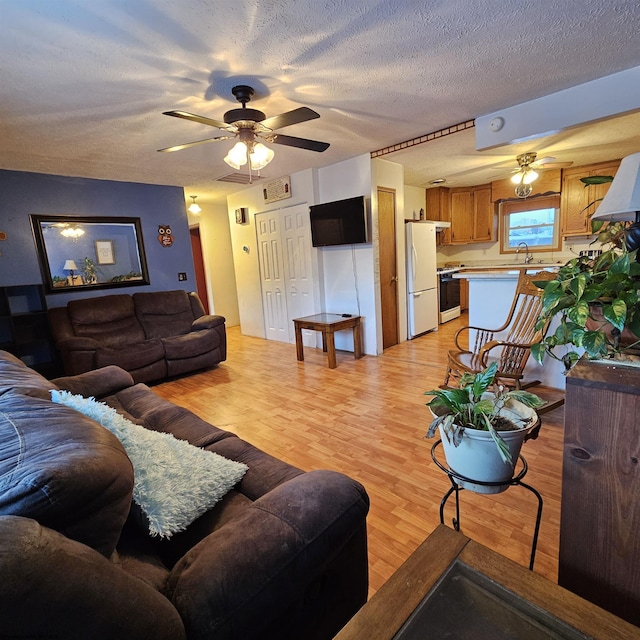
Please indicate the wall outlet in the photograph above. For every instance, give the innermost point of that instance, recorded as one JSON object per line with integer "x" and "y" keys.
{"x": 182, "y": 277}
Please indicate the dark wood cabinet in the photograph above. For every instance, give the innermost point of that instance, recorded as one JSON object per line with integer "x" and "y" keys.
{"x": 24, "y": 327}
{"x": 600, "y": 516}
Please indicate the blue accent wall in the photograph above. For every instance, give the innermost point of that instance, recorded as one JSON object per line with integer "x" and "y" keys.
{"x": 23, "y": 194}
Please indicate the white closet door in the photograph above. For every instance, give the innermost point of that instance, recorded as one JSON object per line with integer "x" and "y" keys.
{"x": 274, "y": 296}
{"x": 284, "y": 240}
{"x": 296, "y": 241}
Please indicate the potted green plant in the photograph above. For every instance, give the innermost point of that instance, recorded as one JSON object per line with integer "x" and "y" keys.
{"x": 597, "y": 302}
{"x": 482, "y": 425}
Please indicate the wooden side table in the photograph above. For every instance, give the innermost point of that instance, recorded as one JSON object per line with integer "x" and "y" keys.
{"x": 453, "y": 587}
{"x": 328, "y": 324}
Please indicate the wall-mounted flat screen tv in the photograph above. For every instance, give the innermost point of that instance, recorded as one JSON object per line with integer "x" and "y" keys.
{"x": 339, "y": 222}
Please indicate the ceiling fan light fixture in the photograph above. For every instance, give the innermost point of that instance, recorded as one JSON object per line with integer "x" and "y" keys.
{"x": 260, "y": 156}
{"x": 194, "y": 207}
{"x": 72, "y": 232}
{"x": 524, "y": 176}
{"x": 237, "y": 156}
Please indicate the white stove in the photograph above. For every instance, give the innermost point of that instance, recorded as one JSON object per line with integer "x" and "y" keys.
{"x": 448, "y": 294}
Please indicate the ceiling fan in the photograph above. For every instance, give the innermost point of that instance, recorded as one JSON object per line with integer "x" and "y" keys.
{"x": 251, "y": 126}
{"x": 526, "y": 172}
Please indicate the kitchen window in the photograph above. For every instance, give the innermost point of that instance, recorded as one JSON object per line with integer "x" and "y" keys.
{"x": 535, "y": 221}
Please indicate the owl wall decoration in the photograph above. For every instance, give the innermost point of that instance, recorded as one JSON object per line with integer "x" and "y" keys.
{"x": 165, "y": 235}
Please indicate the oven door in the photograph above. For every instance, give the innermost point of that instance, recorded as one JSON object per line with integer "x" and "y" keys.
{"x": 449, "y": 297}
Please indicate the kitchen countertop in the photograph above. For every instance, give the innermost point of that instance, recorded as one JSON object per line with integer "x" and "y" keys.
{"x": 496, "y": 274}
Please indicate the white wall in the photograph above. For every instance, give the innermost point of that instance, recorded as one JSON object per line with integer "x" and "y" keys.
{"x": 217, "y": 254}
{"x": 415, "y": 198}
{"x": 347, "y": 272}
{"x": 245, "y": 250}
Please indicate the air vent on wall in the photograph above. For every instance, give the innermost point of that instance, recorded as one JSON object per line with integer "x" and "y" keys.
{"x": 239, "y": 178}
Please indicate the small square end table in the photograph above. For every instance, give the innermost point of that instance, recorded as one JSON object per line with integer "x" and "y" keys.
{"x": 328, "y": 324}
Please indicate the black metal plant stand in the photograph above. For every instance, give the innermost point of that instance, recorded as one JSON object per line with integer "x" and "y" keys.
{"x": 516, "y": 480}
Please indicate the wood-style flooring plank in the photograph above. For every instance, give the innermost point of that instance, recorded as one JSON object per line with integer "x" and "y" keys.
{"x": 367, "y": 418}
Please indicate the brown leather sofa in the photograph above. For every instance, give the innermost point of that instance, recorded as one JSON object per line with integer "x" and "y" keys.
{"x": 282, "y": 556}
{"x": 151, "y": 335}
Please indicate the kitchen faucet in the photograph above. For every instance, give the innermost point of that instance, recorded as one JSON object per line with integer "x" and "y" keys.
{"x": 527, "y": 257}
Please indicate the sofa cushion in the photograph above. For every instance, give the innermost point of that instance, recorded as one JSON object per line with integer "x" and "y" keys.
{"x": 164, "y": 313}
{"x": 111, "y": 320}
{"x": 132, "y": 356}
{"x": 175, "y": 482}
{"x": 15, "y": 375}
{"x": 190, "y": 345}
{"x": 54, "y": 587}
{"x": 63, "y": 470}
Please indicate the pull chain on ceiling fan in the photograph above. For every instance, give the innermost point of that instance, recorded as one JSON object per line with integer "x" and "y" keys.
{"x": 251, "y": 126}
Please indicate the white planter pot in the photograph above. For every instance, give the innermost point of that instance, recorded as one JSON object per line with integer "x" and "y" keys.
{"x": 477, "y": 457}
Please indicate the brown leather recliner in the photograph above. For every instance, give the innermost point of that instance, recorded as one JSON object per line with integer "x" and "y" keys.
{"x": 151, "y": 335}
{"x": 283, "y": 556}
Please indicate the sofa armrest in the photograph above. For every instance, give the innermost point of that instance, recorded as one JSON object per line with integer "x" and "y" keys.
{"x": 292, "y": 565}
{"x": 207, "y": 322}
{"x": 98, "y": 382}
{"x": 53, "y": 586}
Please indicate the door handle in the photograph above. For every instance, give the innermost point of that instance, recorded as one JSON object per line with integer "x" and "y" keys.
{"x": 394, "y": 279}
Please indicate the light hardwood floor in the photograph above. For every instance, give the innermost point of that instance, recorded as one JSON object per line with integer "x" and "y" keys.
{"x": 367, "y": 418}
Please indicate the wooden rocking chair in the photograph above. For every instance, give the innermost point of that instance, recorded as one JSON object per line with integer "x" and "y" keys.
{"x": 510, "y": 344}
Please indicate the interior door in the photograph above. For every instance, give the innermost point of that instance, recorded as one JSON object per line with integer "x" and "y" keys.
{"x": 388, "y": 266}
{"x": 284, "y": 241}
{"x": 295, "y": 234}
{"x": 198, "y": 265}
{"x": 274, "y": 296}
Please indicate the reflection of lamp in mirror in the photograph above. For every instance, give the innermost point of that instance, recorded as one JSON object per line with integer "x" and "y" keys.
{"x": 622, "y": 201}
{"x": 70, "y": 266}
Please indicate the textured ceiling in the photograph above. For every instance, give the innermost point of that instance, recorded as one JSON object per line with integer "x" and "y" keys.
{"x": 83, "y": 83}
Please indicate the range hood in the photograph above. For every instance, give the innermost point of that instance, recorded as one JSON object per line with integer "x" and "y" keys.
{"x": 440, "y": 224}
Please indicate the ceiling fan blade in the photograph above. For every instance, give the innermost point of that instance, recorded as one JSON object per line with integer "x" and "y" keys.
{"x": 302, "y": 114}
{"x": 186, "y": 145}
{"x": 553, "y": 165}
{"x": 201, "y": 119}
{"x": 301, "y": 143}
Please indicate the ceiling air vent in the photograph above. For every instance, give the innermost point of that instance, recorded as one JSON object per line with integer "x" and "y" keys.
{"x": 239, "y": 178}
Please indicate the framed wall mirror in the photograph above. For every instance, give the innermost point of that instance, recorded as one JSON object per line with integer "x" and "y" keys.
{"x": 89, "y": 252}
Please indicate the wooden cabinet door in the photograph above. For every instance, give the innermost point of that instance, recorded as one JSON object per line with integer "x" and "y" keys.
{"x": 599, "y": 557}
{"x": 464, "y": 294}
{"x": 598, "y": 191}
{"x": 482, "y": 215}
{"x": 461, "y": 217}
{"x": 438, "y": 208}
{"x": 573, "y": 200}
{"x": 574, "y": 220}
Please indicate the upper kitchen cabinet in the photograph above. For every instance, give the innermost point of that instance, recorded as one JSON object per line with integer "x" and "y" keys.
{"x": 472, "y": 215}
{"x": 575, "y": 221}
{"x": 439, "y": 208}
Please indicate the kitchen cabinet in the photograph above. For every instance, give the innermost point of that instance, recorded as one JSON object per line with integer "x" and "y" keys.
{"x": 24, "y": 327}
{"x": 574, "y": 220}
{"x": 472, "y": 215}
{"x": 483, "y": 214}
{"x": 599, "y": 557}
{"x": 464, "y": 294}
{"x": 438, "y": 201}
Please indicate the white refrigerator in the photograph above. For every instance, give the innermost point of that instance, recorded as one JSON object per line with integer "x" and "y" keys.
{"x": 422, "y": 278}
